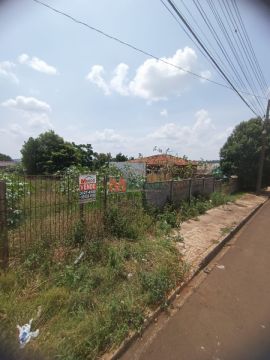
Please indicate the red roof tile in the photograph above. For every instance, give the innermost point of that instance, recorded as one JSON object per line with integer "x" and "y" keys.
{"x": 162, "y": 159}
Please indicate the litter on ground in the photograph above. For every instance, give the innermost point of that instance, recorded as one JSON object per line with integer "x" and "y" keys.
{"x": 25, "y": 333}
{"x": 221, "y": 267}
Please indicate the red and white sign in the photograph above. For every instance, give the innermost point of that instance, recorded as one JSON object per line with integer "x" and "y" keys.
{"x": 88, "y": 188}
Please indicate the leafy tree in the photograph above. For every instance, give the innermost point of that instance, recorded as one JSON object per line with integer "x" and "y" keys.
{"x": 101, "y": 159}
{"x": 4, "y": 157}
{"x": 86, "y": 154}
{"x": 241, "y": 152}
{"x": 120, "y": 157}
{"x": 48, "y": 153}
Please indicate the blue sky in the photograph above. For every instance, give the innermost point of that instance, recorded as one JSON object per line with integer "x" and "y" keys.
{"x": 55, "y": 74}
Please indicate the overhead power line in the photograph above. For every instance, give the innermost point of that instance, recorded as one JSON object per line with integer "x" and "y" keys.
{"x": 181, "y": 17}
{"x": 250, "y": 47}
{"x": 111, "y": 37}
{"x": 231, "y": 34}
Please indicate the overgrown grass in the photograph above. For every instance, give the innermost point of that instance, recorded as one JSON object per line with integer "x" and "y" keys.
{"x": 90, "y": 305}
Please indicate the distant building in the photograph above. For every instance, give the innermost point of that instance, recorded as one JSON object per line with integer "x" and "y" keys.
{"x": 127, "y": 168}
{"x": 6, "y": 164}
{"x": 207, "y": 167}
{"x": 166, "y": 167}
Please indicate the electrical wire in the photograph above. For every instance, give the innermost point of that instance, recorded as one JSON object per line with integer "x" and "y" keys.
{"x": 221, "y": 43}
{"x": 250, "y": 47}
{"x": 188, "y": 35}
{"x": 210, "y": 56}
{"x": 243, "y": 58}
{"x": 101, "y": 32}
{"x": 237, "y": 53}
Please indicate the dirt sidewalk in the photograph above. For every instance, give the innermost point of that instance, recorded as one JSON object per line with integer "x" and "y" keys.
{"x": 202, "y": 235}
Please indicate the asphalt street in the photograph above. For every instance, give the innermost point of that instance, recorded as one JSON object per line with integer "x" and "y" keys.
{"x": 226, "y": 316}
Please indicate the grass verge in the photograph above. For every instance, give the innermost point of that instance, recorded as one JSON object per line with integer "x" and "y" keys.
{"x": 90, "y": 305}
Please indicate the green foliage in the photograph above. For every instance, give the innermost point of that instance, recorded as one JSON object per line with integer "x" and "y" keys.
{"x": 156, "y": 284}
{"x": 101, "y": 160}
{"x": 219, "y": 198}
{"x": 85, "y": 154}
{"x": 38, "y": 255}
{"x": 16, "y": 189}
{"x": 240, "y": 154}
{"x": 119, "y": 224}
{"x": 78, "y": 236}
{"x": 167, "y": 219}
{"x": 4, "y": 157}
{"x": 48, "y": 153}
{"x": 120, "y": 157}
{"x": 88, "y": 307}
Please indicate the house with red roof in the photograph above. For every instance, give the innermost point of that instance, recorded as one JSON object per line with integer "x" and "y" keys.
{"x": 167, "y": 167}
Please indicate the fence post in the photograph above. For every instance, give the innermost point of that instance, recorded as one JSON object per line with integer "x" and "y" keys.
{"x": 171, "y": 191}
{"x": 190, "y": 190}
{"x": 213, "y": 184}
{"x": 105, "y": 180}
{"x": 4, "y": 251}
{"x": 203, "y": 186}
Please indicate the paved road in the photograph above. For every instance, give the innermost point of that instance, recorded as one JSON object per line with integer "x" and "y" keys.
{"x": 227, "y": 314}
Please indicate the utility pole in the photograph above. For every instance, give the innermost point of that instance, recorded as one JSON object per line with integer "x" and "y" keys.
{"x": 262, "y": 155}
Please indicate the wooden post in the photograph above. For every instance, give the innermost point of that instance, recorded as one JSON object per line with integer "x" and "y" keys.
{"x": 4, "y": 251}
{"x": 213, "y": 184}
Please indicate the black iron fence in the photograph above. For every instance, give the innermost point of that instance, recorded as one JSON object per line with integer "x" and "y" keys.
{"x": 42, "y": 209}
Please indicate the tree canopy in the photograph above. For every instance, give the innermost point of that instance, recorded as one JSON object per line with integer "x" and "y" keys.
{"x": 241, "y": 152}
{"x": 48, "y": 153}
{"x": 4, "y": 157}
{"x": 120, "y": 157}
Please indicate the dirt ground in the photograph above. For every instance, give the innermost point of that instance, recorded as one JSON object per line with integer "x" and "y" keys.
{"x": 203, "y": 234}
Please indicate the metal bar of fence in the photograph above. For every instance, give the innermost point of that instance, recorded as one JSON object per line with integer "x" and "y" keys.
{"x": 50, "y": 204}
{"x": 4, "y": 245}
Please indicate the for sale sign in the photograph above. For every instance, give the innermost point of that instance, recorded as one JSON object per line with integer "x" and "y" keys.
{"x": 88, "y": 188}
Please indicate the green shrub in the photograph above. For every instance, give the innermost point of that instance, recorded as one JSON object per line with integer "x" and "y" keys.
{"x": 219, "y": 198}
{"x": 78, "y": 236}
{"x": 119, "y": 222}
{"x": 156, "y": 285}
{"x": 39, "y": 255}
{"x": 95, "y": 250}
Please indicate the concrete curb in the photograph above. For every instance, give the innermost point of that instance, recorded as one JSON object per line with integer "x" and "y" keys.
{"x": 133, "y": 337}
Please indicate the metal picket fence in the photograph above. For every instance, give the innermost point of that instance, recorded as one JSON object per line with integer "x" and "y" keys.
{"x": 41, "y": 209}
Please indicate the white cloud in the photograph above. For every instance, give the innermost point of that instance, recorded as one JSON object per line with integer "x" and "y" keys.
{"x": 31, "y": 119}
{"x": 107, "y": 135}
{"x": 154, "y": 80}
{"x": 95, "y": 76}
{"x": 206, "y": 74}
{"x": 164, "y": 112}
{"x": 14, "y": 130}
{"x": 37, "y": 64}
{"x": 30, "y": 104}
{"x": 6, "y": 72}
{"x": 119, "y": 80}
{"x": 39, "y": 121}
{"x": 183, "y": 133}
